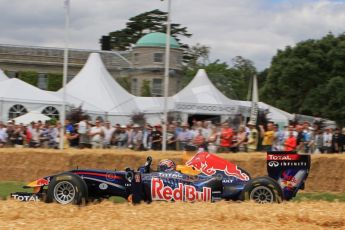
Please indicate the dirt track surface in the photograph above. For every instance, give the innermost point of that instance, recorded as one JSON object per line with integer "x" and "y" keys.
{"x": 327, "y": 171}
{"x": 161, "y": 215}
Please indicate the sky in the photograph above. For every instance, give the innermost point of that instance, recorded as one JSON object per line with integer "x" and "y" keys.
{"x": 253, "y": 29}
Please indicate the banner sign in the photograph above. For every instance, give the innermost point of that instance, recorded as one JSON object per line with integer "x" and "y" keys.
{"x": 206, "y": 108}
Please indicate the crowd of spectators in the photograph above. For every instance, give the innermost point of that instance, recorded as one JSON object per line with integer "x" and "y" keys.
{"x": 218, "y": 138}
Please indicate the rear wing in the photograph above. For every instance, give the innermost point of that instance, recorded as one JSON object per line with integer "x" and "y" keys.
{"x": 289, "y": 169}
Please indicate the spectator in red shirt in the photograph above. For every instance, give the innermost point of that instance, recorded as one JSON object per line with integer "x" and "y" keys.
{"x": 226, "y": 135}
{"x": 290, "y": 142}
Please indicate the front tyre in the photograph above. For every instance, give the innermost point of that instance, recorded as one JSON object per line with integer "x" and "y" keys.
{"x": 67, "y": 188}
{"x": 262, "y": 190}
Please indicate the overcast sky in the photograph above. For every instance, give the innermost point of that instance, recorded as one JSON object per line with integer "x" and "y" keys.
{"x": 254, "y": 29}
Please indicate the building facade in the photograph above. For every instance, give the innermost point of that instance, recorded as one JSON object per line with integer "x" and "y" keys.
{"x": 142, "y": 65}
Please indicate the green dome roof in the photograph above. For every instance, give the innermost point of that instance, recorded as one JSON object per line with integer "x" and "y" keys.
{"x": 156, "y": 39}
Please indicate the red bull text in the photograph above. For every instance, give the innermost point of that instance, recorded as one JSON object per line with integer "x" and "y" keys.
{"x": 181, "y": 193}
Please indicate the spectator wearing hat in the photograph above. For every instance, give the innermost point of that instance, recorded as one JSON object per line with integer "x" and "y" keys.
{"x": 156, "y": 138}
{"x": 253, "y": 137}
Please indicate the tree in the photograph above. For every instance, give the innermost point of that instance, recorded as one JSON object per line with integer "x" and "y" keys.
{"x": 124, "y": 82}
{"x": 304, "y": 78}
{"x": 140, "y": 25}
{"x": 197, "y": 55}
{"x": 146, "y": 89}
{"x": 54, "y": 82}
{"x": 231, "y": 81}
{"x": 30, "y": 77}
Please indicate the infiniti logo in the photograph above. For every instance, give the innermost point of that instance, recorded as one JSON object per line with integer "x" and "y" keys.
{"x": 273, "y": 164}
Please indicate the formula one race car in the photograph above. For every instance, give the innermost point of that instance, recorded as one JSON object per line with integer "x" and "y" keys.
{"x": 205, "y": 177}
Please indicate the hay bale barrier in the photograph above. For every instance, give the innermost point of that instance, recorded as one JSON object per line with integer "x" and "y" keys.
{"x": 327, "y": 171}
{"x": 173, "y": 215}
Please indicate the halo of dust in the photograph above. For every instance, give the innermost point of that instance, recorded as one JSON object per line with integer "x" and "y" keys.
{"x": 327, "y": 175}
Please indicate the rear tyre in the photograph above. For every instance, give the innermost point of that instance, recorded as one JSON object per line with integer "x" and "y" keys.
{"x": 67, "y": 188}
{"x": 262, "y": 190}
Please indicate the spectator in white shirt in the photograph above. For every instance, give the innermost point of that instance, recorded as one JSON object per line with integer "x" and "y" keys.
{"x": 96, "y": 134}
{"x": 108, "y": 131}
{"x": 327, "y": 140}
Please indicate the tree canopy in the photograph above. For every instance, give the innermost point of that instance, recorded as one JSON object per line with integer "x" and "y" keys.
{"x": 140, "y": 25}
{"x": 232, "y": 81}
{"x": 309, "y": 78}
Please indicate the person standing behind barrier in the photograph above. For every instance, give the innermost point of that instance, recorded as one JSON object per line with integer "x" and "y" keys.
{"x": 171, "y": 138}
{"x": 184, "y": 137}
{"x": 108, "y": 131}
{"x": 3, "y": 135}
{"x": 279, "y": 138}
{"x": 335, "y": 141}
{"x": 241, "y": 143}
{"x": 290, "y": 142}
{"x": 156, "y": 138}
{"x": 213, "y": 140}
{"x": 268, "y": 136}
{"x": 83, "y": 129}
{"x": 199, "y": 140}
{"x": 96, "y": 134}
{"x": 253, "y": 137}
{"x": 226, "y": 135}
{"x": 342, "y": 140}
{"x": 327, "y": 140}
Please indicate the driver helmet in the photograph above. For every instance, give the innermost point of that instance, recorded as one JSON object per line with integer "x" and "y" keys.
{"x": 166, "y": 166}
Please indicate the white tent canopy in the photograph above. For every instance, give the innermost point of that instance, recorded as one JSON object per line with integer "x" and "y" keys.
{"x": 201, "y": 96}
{"x": 19, "y": 91}
{"x": 3, "y": 76}
{"x": 94, "y": 88}
{"x": 30, "y": 117}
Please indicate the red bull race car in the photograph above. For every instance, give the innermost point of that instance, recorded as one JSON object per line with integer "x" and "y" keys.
{"x": 205, "y": 177}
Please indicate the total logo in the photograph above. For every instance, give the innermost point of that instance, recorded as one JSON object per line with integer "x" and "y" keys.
{"x": 280, "y": 157}
{"x": 181, "y": 193}
{"x": 25, "y": 197}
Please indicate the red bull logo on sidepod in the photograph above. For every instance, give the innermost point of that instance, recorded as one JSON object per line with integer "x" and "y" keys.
{"x": 181, "y": 193}
{"x": 209, "y": 164}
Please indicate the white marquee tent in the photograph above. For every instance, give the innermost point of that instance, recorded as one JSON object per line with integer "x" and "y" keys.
{"x": 98, "y": 93}
{"x": 18, "y": 95}
{"x": 31, "y": 116}
{"x": 201, "y": 96}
